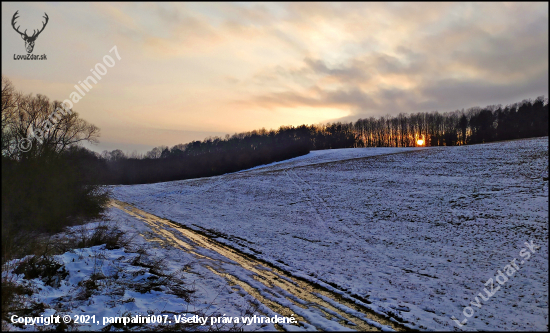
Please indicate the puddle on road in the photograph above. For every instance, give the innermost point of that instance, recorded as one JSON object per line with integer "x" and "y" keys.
{"x": 302, "y": 294}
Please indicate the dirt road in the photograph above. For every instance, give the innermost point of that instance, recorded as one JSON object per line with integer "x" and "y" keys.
{"x": 313, "y": 306}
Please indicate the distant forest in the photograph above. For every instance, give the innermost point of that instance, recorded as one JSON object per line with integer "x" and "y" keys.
{"x": 215, "y": 156}
{"x": 53, "y": 182}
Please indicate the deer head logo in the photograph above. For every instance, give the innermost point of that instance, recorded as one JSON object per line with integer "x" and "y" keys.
{"x": 29, "y": 40}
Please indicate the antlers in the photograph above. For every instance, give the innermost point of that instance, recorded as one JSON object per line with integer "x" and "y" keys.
{"x": 35, "y": 34}
{"x": 15, "y": 17}
{"x": 43, "y": 26}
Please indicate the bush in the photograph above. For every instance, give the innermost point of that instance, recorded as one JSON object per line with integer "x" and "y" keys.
{"x": 43, "y": 195}
{"x": 43, "y": 267}
{"x": 103, "y": 233}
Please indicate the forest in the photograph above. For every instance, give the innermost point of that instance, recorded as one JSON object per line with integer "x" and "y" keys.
{"x": 215, "y": 156}
{"x": 57, "y": 182}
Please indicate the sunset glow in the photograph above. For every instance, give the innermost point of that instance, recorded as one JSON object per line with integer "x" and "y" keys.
{"x": 192, "y": 70}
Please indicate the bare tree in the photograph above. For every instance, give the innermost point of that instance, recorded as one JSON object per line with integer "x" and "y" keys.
{"x": 45, "y": 125}
{"x": 156, "y": 152}
{"x": 105, "y": 155}
{"x": 135, "y": 155}
{"x": 9, "y": 119}
{"x": 117, "y": 155}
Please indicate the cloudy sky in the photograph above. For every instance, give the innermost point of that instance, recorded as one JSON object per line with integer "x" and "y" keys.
{"x": 191, "y": 70}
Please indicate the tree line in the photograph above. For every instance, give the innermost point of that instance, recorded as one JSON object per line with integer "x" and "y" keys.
{"x": 66, "y": 176}
{"x": 525, "y": 119}
{"x": 215, "y": 156}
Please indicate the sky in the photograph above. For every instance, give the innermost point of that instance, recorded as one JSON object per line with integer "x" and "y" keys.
{"x": 188, "y": 71}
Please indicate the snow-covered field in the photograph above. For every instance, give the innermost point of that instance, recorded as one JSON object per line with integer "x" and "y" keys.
{"x": 416, "y": 233}
{"x": 329, "y": 155}
{"x": 412, "y": 234}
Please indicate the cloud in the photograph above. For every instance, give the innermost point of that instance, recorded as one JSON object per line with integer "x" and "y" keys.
{"x": 463, "y": 58}
{"x": 237, "y": 66}
{"x": 352, "y": 73}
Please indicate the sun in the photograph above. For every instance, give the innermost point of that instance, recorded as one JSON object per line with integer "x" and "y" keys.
{"x": 420, "y": 142}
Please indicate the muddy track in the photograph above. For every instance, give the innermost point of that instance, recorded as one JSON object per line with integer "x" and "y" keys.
{"x": 283, "y": 293}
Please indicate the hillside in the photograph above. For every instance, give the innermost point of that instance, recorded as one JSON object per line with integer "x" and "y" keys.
{"x": 371, "y": 238}
{"x": 420, "y": 231}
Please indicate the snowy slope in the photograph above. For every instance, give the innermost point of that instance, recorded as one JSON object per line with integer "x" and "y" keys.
{"x": 416, "y": 234}
{"x": 329, "y": 155}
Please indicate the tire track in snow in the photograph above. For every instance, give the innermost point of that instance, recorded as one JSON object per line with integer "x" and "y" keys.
{"x": 313, "y": 306}
{"x": 326, "y": 217}
{"x": 321, "y": 222}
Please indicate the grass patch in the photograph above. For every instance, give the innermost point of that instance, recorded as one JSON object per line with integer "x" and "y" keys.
{"x": 43, "y": 267}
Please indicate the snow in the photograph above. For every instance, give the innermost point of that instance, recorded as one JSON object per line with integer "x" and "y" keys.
{"x": 116, "y": 297}
{"x": 412, "y": 234}
{"x": 416, "y": 233}
{"x": 329, "y": 155}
